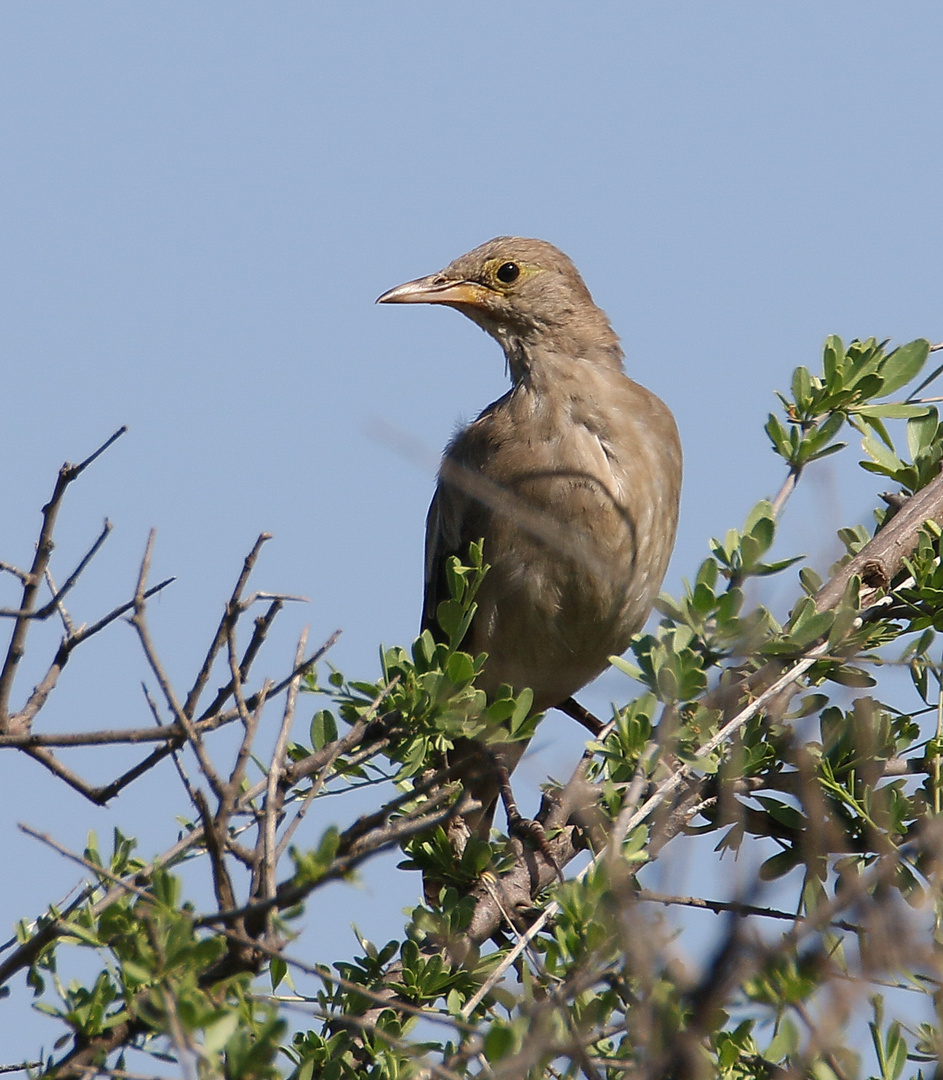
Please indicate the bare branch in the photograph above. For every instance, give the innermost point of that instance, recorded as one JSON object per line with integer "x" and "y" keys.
{"x": 35, "y": 576}
{"x": 788, "y": 487}
{"x": 265, "y": 886}
{"x": 881, "y": 559}
{"x": 48, "y": 608}
{"x": 220, "y": 637}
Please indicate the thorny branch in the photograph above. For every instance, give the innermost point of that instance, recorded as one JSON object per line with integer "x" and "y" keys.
{"x": 500, "y": 905}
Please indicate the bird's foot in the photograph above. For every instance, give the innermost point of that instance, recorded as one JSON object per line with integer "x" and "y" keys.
{"x": 531, "y": 830}
{"x": 518, "y": 825}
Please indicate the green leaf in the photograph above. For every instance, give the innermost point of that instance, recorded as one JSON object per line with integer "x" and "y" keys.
{"x": 832, "y": 357}
{"x": 449, "y": 615}
{"x": 779, "y": 865}
{"x": 904, "y": 364}
{"x": 786, "y": 1041}
{"x": 810, "y": 628}
{"x": 219, "y": 1032}
{"x": 802, "y": 387}
{"x": 811, "y": 581}
{"x": 778, "y": 436}
{"x": 921, "y": 431}
{"x": 762, "y": 513}
{"x": 460, "y": 668}
{"x": 884, "y": 457}
{"x": 850, "y": 676}
{"x": 323, "y": 729}
{"x": 819, "y": 454}
{"x": 499, "y": 1042}
{"x": 278, "y": 969}
{"x": 627, "y": 668}
{"x": 893, "y": 410}
{"x": 525, "y": 699}
{"x": 874, "y": 424}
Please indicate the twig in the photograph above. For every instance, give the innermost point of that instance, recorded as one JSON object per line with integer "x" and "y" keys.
{"x": 51, "y": 605}
{"x": 23, "y": 719}
{"x": 67, "y": 623}
{"x": 175, "y": 757}
{"x": 789, "y": 486}
{"x": 208, "y": 723}
{"x": 353, "y": 849}
{"x": 220, "y": 637}
{"x": 319, "y": 780}
{"x": 273, "y": 799}
{"x": 44, "y": 547}
{"x": 670, "y": 784}
{"x": 107, "y": 737}
{"x": 139, "y": 622}
{"x": 735, "y": 907}
{"x": 123, "y": 883}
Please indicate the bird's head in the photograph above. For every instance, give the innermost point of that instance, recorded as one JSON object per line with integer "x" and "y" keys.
{"x": 527, "y": 294}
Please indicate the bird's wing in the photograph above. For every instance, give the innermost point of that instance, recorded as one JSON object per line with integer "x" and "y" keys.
{"x": 453, "y": 522}
{"x": 441, "y": 542}
{"x": 434, "y": 571}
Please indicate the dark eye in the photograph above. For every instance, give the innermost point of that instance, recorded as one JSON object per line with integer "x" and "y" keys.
{"x": 508, "y": 272}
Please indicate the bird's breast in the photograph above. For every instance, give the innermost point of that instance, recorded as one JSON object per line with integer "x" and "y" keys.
{"x": 578, "y": 510}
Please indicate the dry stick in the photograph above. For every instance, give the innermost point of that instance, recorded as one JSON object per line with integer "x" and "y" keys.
{"x": 67, "y": 623}
{"x": 273, "y": 797}
{"x": 217, "y": 643}
{"x": 290, "y": 893}
{"x": 209, "y": 724}
{"x": 29, "y": 950}
{"x": 9, "y": 568}
{"x": 139, "y": 622}
{"x": 250, "y": 721}
{"x": 49, "y": 761}
{"x": 737, "y": 907}
{"x": 216, "y": 827}
{"x": 31, "y": 585}
{"x": 788, "y": 487}
{"x": 50, "y": 606}
{"x": 881, "y": 558}
{"x": 125, "y": 884}
{"x": 260, "y": 630}
{"x": 175, "y": 757}
{"x": 37, "y": 699}
{"x": 214, "y": 839}
{"x": 234, "y": 611}
{"x": 356, "y": 844}
{"x": 94, "y": 738}
{"x": 320, "y": 779}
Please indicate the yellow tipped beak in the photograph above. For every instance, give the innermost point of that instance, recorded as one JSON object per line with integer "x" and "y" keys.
{"x": 435, "y": 290}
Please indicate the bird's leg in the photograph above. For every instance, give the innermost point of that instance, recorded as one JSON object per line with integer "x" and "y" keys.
{"x": 526, "y": 828}
{"x": 582, "y": 716}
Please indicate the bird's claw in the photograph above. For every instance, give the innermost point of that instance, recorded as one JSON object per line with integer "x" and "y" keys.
{"x": 531, "y": 830}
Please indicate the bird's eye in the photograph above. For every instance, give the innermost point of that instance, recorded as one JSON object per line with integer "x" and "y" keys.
{"x": 508, "y": 272}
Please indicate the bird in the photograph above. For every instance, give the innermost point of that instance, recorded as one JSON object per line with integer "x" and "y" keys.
{"x": 572, "y": 478}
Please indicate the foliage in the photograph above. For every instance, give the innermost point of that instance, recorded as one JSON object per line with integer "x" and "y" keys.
{"x": 742, "y": 727}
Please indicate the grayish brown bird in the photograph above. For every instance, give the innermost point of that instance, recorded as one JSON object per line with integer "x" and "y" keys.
{"x": 572, "y": 478}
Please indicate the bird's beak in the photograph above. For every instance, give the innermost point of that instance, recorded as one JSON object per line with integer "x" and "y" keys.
{"x": 437, "y": 289}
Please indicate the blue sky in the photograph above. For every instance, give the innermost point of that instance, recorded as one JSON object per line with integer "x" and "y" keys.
{"x": 200, "y": 204}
